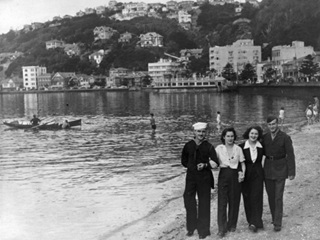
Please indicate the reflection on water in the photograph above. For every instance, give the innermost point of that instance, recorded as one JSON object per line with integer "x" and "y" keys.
{"x": 87, "y": 182}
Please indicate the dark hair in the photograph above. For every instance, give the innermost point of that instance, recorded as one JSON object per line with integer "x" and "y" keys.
{"x": 151, "y": 114}
{"x": 218, "y": 112}
{"x": 258, "y": 128}
{"x": 224, "y": 133}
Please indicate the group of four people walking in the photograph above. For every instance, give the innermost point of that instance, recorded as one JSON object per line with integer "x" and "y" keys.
{"x": 267, "y": 158}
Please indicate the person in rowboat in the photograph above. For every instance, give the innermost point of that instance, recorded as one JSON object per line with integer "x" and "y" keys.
{"x": 35, "y": 121}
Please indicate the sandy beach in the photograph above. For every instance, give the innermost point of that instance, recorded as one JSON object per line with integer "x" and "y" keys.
{"x": 301, "y": 204}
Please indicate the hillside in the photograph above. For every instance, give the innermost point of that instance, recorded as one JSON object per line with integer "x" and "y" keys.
{"x": 274, "y": 22}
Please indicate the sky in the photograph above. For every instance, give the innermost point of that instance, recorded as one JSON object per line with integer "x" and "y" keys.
{"x": 16, "y": 13}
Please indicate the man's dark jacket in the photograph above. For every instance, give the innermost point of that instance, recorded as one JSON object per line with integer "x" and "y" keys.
{"x": 280, "y": 159}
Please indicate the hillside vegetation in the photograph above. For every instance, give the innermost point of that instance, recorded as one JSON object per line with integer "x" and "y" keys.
{"x": 275, "y": 22}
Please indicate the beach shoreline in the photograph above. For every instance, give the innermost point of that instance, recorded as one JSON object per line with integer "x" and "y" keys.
{"x": 301, "y": 203}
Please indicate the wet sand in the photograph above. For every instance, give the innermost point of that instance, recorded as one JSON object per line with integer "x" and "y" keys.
{"x": 301, "y": 203}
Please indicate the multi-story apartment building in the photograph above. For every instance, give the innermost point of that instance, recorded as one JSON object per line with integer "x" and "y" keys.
{"x": 30, "y": 75}
{"x": 238, "y": 54}
{"x": 162, "y": 69}
{"x": 285, "y": 53}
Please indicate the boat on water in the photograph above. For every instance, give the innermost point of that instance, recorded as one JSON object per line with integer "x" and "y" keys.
{"x": 44, "y": 126}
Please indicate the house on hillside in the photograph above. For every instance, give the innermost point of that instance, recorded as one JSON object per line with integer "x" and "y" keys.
{"x": 173, "y": 5}
{"x": 186, "y": 5}
{"x": 184, "y": 16}
{"x": 67, "y": 17}
{"x": 125, "y": 37}
{"x": 151, "y": 39}
{"x": 57, "y": 18}
{"x": 100, "y": 10}
{"x": 36, "y": 25}
{"x": 60, "y": 80}
{"x": 103, "y": 32}
{"x": 185, "y": 54}
{"x": 89, "y": 11}
{"x": 80, "y": 14}
{"x": 72, "y": 49}
{"x": 54, "y": 44}
{"x": 98, "y": 56}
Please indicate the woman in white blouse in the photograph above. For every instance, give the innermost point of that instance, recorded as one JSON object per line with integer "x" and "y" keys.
{"x": 252, "y": 187}
{"x": 231, "y": 175}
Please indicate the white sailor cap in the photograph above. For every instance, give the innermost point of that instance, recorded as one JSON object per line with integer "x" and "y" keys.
{"x": 199, "y": 126}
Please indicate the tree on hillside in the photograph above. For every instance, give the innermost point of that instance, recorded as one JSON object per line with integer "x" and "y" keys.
{"x": 228, "y": 73}
{"x": 309, "y": 67}
{"x": 248, "y": 72}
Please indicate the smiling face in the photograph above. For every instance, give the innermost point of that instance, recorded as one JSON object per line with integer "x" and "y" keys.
{"x": 200, "y": 134}
{"x": 273, "y": 126}
{"x": 229, "y": 138}
{"x": 253, "y": 135}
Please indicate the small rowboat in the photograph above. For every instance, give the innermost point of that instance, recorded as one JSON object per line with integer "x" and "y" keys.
{"x": 45, "y": 126}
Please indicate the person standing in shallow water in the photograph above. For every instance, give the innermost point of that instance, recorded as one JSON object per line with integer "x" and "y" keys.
{"x": 230, "y": 177}
{"x": 153, "y": 123}
{"x": 252, "y": 186}
{"x": 199, "y": 157}
{"x": 279, "y": 165}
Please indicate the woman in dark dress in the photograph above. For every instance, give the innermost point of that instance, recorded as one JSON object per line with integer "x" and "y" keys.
{"x": 252, "y": 186}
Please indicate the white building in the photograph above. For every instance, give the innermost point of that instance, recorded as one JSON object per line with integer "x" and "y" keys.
{"x": 30, "y": 74}
{"x": 283, "y": 54}
{"x": 162, "y": 69}
{"x": 184, "y": 16}
{"x": 238, "y": 55}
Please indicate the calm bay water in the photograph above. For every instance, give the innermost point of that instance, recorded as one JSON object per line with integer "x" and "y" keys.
{"x": 89, "y": 182}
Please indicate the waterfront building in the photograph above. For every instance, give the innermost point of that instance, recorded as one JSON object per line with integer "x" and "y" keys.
{"x": 44, "y": 81}
{"x": 52, "y": 44}
{"x": 8, "y": 85}
{"x": 60, "y": 79}
{"x": 238, "y": 55}
{"x": 164, "y": 68}
{"x": 285, "y": 53}
{"x": 30, "y": 74}
{"x": 261, "y": 69}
